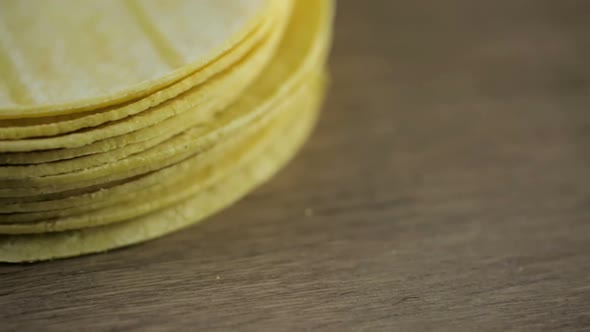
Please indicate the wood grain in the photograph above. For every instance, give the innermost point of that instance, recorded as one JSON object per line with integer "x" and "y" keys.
{"x": 447, "y": 187}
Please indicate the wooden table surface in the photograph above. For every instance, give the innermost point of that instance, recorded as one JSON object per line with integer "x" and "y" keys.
{"x": 447, "y": 187}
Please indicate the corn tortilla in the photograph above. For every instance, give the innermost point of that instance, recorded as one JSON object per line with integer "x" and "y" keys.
{"x": 30, "y": 248}
{"x": 218, "y": 90}
{"x": 100, "y": 44}
{"x": 61, "y": 124}
{"x": 209, "y": 100}
{"x": 301, "y": 51}
{"x": 275, "y": 147}
{"x": 169, "y": 192}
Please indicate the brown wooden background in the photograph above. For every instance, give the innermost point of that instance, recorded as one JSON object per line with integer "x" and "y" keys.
{"x": 446, "y": 187}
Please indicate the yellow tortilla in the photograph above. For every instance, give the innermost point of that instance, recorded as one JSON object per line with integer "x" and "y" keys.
{"x": 109, "y": 150}
{"x": 61, "y": 124}
{"x": 110, "y": 51}
{"x": 97, "y": 149}
{"x": 280, "y": 148}
{"x": 305, "y": 46}
{"x": 72, "y": 203}
{"x": 222, "y": 89}
{"x": 203, "y": 173}
{"x": 287, "y": 135}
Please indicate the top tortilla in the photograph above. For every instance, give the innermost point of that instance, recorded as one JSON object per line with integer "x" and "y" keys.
{"x": 66, "y": 56}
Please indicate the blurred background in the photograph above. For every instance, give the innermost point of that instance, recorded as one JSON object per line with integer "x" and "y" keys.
{"x": 485, "y": 100}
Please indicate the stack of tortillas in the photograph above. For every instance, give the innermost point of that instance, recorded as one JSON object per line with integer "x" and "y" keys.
{"x": 124, "y": 120}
